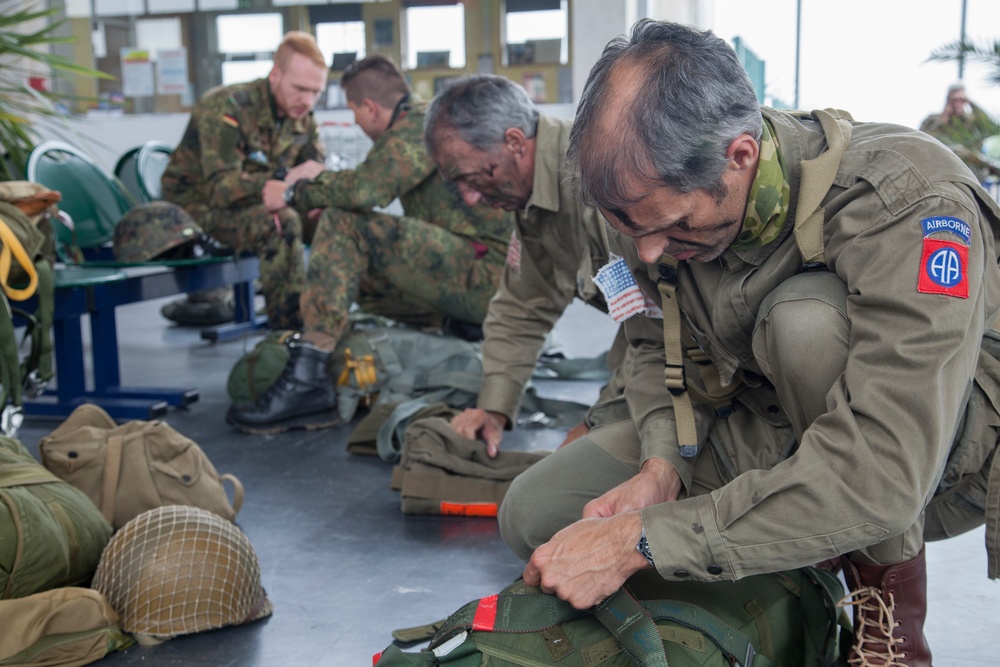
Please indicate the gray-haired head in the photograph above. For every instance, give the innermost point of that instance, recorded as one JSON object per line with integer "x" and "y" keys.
{"x": 661, "y": 106}
{"x": 480, "y": 108}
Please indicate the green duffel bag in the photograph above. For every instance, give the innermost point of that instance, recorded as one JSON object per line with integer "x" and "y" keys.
{"x": 776, "y": 620}
{"x": 51, "y": 534}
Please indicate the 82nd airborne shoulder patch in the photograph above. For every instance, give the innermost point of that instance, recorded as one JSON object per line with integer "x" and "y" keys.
{"x": 944, "y": 264}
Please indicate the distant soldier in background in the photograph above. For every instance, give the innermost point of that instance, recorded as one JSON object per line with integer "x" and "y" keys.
{"x": 436, "y": 265}
{"x": 239, "y": 137}
{"x": 963, "y": 127}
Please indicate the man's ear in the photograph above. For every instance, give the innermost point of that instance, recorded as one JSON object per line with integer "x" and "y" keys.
{"x": 515, "y": 140}
{"x": 743, "y": 152}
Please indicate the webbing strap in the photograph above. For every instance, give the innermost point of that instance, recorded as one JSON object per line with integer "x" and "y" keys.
{"x": 632, "y": 627}
{"x": 112, "y": 472}
{"x": 10, "y": 361}
{"x": 818, "y": 176}
{"x": 22, "y": 474}
{"x": 673, "y": 372}
{"x": 730, "y": 641}
{"x": 382, "y": 346}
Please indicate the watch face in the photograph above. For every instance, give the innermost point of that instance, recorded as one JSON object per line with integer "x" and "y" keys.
{"x": 290, "y": 195}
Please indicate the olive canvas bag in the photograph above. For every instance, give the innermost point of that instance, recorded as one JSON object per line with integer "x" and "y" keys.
{"x": 136, "y": 466}
{"x": 784, "y": 619}
{"x": 63, "y": 627}
{"x": 51, "y": 535}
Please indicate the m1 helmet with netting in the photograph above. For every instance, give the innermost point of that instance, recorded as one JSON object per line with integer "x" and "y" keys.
{"x": 177, "y": 570}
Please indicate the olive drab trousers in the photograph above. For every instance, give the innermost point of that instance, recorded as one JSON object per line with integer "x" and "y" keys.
{"x": 800, "y": 342}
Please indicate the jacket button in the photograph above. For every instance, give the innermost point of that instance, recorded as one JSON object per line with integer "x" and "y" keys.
{"x": 714, "y": 569}
{"x": 680, "y": 574}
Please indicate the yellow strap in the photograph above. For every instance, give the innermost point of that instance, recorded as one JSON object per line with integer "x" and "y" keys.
{"x": 673, "y": 372}
{"x": 12, "y": 248}
{"x": 363, "y": 369}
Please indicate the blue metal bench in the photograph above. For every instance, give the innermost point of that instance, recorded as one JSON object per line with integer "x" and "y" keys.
{"x": 97, "y": 292}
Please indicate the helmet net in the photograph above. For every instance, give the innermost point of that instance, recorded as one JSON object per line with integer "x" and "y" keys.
{"x": 175, "y": 570}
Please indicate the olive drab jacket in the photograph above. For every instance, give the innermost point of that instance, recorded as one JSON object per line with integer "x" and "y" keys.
{"x": 867, "y": 469}
{"x": 557, "y": 245}
{"x": 398, "y": 165}
{"x": 233, "y": 144}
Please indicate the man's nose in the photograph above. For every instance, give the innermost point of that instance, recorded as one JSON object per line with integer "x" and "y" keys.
{"x": 650, "y": 249}
{"x": 470, "y": 195}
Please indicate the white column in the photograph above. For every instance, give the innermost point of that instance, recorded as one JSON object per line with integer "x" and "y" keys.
{"x": 596, "y": 22}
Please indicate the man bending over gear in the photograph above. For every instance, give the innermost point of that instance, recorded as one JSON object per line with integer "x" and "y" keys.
{"x": 440, "y": 261}
{"x": 840, "y": 282}
{"x": 238, "y": 138}
{"x": 487, "y": 137}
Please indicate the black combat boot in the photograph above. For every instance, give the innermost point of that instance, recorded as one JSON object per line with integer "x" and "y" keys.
{"x": 890, "y": 605}
{"x": 303, "y": 396}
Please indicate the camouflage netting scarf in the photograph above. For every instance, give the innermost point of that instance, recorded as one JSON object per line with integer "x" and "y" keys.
{"x": 770, "y": 194}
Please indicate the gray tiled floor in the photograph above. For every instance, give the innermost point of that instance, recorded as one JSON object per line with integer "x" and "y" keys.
{"x": 344, "y": 567}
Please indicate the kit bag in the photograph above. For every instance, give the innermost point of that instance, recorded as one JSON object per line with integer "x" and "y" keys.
{"x": 440, "y": 472}
{"x": 51, "y": 535}
{"x": 784, "y": 619}
{"x": 26, "y": 271}
{"x": 392, "y": 371}
{"x": 62, "y": 627}
{"x": 137, "y": 466}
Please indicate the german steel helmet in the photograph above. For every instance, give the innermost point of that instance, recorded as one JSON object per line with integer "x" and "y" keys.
{"x": 161, "y": 230}
{"x": 176, "y": 570}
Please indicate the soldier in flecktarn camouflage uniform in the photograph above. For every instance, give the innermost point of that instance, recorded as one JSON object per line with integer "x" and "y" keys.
{"x": 238, "y": 138}
{"x": 438, "y": 264}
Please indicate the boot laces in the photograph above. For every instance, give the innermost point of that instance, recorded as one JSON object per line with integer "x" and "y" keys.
{"x": 874, "y": 644}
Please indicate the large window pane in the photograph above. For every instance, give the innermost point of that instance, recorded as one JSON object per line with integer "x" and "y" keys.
{"x": 435, "y": 36}
{"x": 238, "y": 71}
{"x": 537, "y": 36}
{"x": 249, "y": 33}
{"x": 341, "y": 37}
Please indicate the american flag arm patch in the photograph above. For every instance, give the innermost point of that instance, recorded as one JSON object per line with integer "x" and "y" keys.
{"x": 623, "y": 295}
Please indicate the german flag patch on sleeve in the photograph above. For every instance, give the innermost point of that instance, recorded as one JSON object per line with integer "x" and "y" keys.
{"x": 230, "y": 120}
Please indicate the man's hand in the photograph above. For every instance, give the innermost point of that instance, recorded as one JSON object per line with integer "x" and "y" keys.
{"x": 577, "y": 431}
{"x": 476, "y": 424}
{"x": 588, "y": 560}
{"x": 657, "y": 482}
{"x": 308, "y": 170}
{"x": 273, "y": 195}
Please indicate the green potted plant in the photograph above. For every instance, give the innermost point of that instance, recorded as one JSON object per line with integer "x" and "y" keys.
{"x": 26, "y": 33}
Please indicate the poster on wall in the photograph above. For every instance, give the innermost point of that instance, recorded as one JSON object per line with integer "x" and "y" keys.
{"x": 535, "y": 85}
{"x": 172, "y": 71}
{"x": 137, "y": 72}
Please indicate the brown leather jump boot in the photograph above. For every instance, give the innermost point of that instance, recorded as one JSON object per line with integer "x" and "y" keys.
{"x": 890, "y": 604}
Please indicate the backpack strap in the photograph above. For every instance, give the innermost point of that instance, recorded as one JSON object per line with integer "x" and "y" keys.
{"x": 112, "y": 473}
{"x": 818, "y": 176}
{"x": 673, "y": 371}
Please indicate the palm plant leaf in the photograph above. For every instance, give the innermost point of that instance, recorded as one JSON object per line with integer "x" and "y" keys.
{"x": 988, "y": 54}
{"x": 26, "y": 35}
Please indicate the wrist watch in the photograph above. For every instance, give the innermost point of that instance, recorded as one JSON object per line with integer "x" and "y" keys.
{"x": 643, "y": 548}
{"x": 289, "y": 194}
